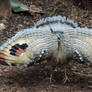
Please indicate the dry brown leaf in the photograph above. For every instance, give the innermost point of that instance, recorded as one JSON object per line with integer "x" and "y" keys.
{"x": 35, "y": 9}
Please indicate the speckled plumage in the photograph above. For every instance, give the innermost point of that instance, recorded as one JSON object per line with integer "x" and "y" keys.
{"x": 55, "y": 37}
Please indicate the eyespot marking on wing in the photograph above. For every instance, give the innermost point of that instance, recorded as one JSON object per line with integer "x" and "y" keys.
{"x": 18, "y": 50}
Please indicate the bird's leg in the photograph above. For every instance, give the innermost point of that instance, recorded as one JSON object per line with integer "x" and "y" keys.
{"x": 66, "y": 75}
{"x": 53, "y": 67}
{"x": 62, "y": 59}
{"x": 57, "y": 58}
{"x": 51, "y": 76}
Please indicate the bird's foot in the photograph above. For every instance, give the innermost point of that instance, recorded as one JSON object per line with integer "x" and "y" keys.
{"x": 66, "y": 78}
{"x": 52, "y": 77}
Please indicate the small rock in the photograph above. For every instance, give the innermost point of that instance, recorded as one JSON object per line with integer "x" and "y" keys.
{"x": 6, "y": 70}
{"x": 2, "y": 26}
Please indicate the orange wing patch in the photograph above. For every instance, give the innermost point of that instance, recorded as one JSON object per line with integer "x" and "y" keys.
{"x": 19, "y": 52}
{"x": 18, "y": 49}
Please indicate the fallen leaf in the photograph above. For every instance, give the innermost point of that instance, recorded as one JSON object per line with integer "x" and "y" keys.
{"x": 35, "y": 9}
{"x": 18, "y": 7}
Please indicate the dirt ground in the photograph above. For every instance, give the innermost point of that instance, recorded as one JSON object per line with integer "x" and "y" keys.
{"x": 37, "y": 78}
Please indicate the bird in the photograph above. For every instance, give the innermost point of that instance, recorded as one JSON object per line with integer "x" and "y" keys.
{"x": 54, "y": 37}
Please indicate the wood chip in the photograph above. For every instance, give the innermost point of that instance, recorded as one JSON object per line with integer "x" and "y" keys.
{"x": 35, "y": 9}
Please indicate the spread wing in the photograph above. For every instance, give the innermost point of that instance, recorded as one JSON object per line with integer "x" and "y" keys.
{"x": 28, "y": 47}
{"x": 16, "y": 52}
{"x": 79, "y": 43}
{"x": 16, "y": 49}
{"x": 83, "y": 45}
